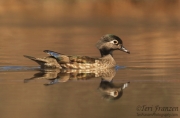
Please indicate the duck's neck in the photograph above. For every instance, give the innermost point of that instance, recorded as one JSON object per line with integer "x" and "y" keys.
{"x": 105, "y": 53}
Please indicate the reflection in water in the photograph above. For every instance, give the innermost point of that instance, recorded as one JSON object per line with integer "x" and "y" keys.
{"x": 107, "y": 88}
{"x": 111, "y": 91}
{"x": 65, "y": 75}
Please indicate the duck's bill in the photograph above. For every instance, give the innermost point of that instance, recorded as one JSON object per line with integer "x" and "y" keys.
{"x": 125, "y": 50}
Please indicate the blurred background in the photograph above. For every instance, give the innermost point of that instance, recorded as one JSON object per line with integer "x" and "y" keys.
{"x": 29, "y": 27}
{"x": 150, "y": 29}
{"x": 61, "y": 13}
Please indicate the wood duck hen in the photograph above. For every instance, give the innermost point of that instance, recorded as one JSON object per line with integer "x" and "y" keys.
{"x": 106, "y": 45}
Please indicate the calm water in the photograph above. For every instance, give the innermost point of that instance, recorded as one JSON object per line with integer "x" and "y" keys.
{"x": 152, "y": 69}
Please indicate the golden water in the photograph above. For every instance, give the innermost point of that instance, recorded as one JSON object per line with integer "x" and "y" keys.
{"x": 152, "y": 68}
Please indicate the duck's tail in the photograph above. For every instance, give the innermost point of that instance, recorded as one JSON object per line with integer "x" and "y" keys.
{"x": 46, "y": 62}
{"x": 40, "y": 61}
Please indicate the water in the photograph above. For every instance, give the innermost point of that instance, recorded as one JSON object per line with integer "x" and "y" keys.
{"x": 147, "y": 79}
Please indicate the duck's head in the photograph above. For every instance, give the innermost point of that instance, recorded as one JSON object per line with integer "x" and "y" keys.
{"x": 108, "y": 43}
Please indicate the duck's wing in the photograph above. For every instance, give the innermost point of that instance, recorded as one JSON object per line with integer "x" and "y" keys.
{"x": 61, "y": 58}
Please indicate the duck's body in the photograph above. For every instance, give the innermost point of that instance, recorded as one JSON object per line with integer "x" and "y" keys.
{"x": 74, "y": 62}
{"x": 107, "y": 44}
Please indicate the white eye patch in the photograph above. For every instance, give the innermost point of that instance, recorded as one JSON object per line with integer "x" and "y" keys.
{"x": 114, "y": 42}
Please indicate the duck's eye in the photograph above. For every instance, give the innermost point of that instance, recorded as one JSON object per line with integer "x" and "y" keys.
{"x": 114, "y": 93}
{"x": 115, "y": 41}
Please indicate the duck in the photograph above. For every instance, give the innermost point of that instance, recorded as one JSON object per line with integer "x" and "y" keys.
{"x": 106, "y": 45}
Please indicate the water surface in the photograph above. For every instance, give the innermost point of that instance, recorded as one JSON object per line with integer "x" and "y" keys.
{"x": 152, "y": 69}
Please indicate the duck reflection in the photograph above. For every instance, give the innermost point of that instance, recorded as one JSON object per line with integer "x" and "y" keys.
{"x": 56, "y": 76}
{"x": 111, "y": 91}
{"x": 108, "y": 89}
